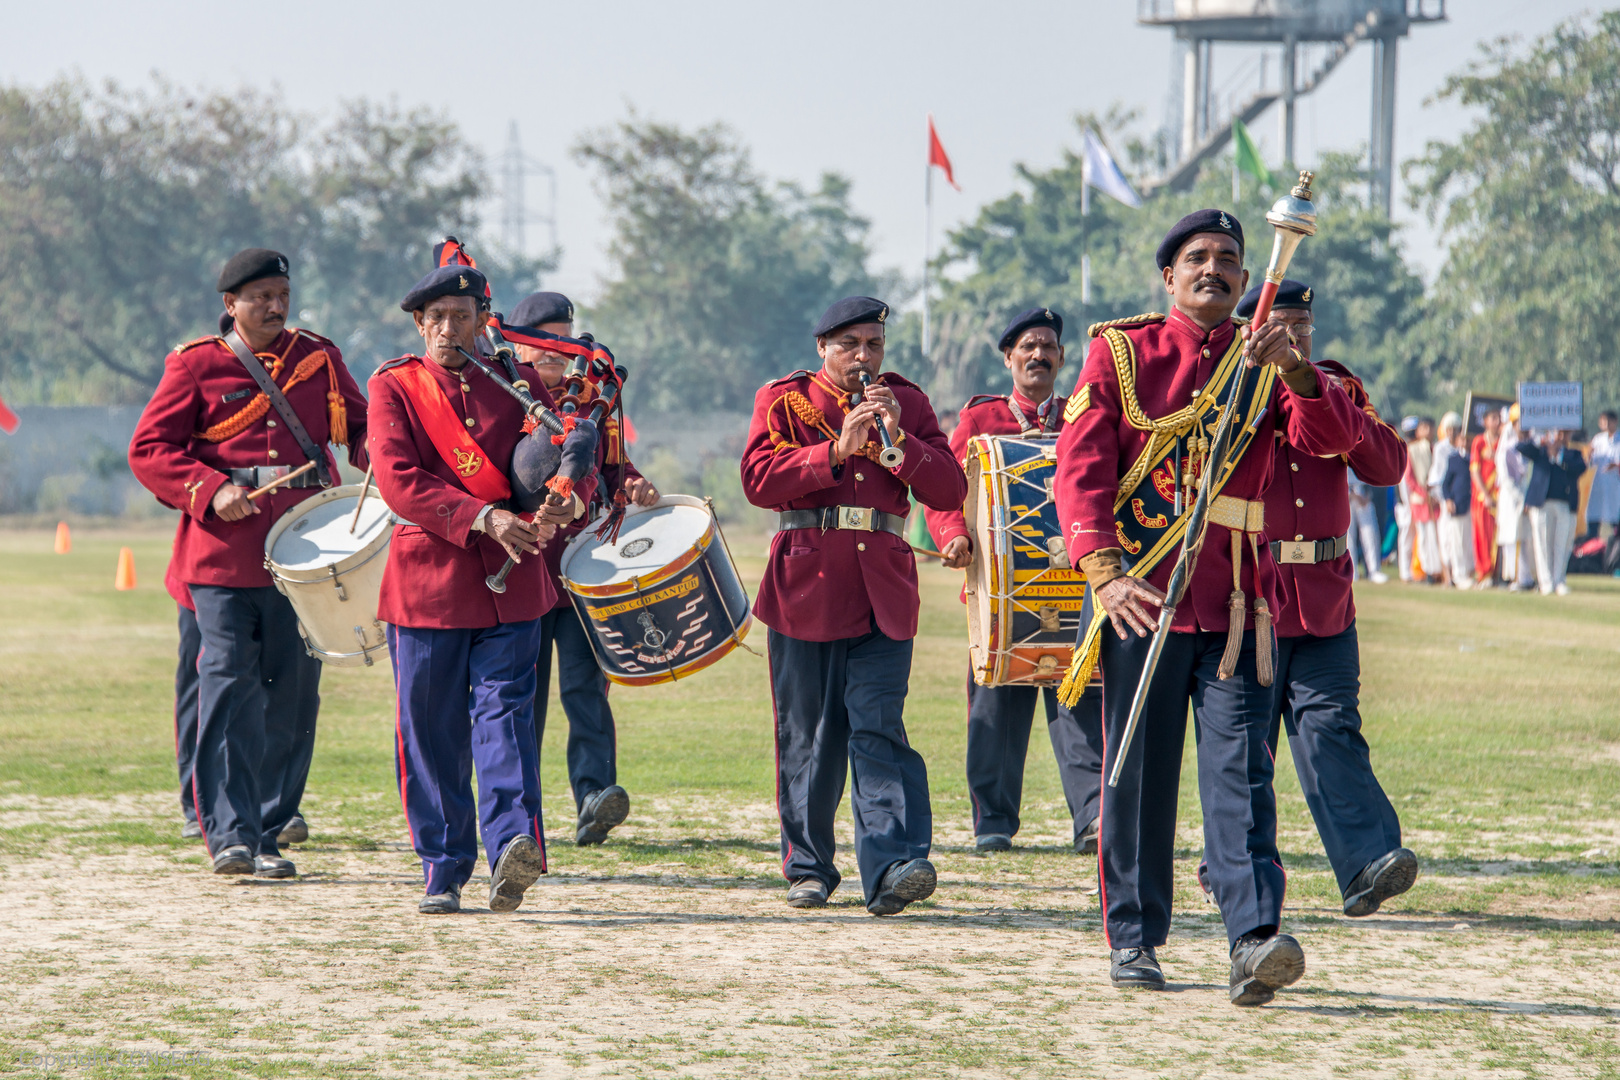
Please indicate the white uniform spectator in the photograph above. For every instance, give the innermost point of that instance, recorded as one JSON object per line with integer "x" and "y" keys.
{"x": 1603, "y": 505}
{"x": 1512, "y": 524}
{"x": 1455, "y": 526}
{"x": 1364, "y": 538}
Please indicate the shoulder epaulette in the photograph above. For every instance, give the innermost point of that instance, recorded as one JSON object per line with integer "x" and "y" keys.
{"x": 889, "y": 378}
{"x": 395, "y": 362}
{"x": 313, "y": 336}
{"x": 1240, "y": 320}
{"x": 980, "y": 399}
{"x": 800, "y": 374}
{"x": 1126, "y": 323}
{"x": 199, "y": 341}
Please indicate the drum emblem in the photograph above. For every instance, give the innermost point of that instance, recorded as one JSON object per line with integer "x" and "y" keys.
{"x": 467, "y": 462}
{"x": 639, "y": 546}
{"x": 651, "y": 636}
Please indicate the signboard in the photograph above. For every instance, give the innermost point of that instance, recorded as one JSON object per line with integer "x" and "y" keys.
{"x": 1549, "y": 406}
{"x": 1478, "y": 405}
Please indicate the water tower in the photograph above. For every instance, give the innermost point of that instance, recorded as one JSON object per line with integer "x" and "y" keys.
{"x": 1311, "y": 34}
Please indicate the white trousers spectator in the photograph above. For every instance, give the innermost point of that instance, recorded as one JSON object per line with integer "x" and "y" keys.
{"x": 1428, "y": 546}
{"x": 1364, "y": 536}
{"x": 1552, "y": 531}
{"x": 1403, "y": 540}
{"x": 1457, "y": 547}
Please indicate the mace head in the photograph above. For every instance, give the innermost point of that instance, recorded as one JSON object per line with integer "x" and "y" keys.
{"x": 1294, "y": 212}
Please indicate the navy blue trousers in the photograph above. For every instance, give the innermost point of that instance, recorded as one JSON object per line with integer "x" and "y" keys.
{"x": 185, "y": 709}
{"x": 1137, "y": 829}
{"x": 999, "y": 721}
{"x": 465, "y": 698}
{"x": 258, "y": 693}
{"x": 839, "y": 707}
{"x": 592, "y": 739}
{"x": 1318, "y": 693}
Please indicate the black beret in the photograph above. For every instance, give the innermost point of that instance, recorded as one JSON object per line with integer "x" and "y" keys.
{"x": 540, "y": 308}
{"x": 849, "y": 311}
{"x": 1290, "y": 294}
{"x": 1035, "y": 316}
{"x": 251, "y": 264}
{"x": 1199, "y": 221}
{"x": 450, "y": 280}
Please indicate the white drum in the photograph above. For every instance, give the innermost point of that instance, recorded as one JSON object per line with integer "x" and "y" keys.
{"x": 334, "y": 577}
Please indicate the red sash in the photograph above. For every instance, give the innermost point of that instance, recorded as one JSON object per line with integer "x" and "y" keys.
{"x": 450, "y": 435}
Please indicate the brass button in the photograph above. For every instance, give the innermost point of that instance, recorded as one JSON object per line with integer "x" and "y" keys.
{"x": 1294, "y": 465}
{"x": 465, "y": 388}
{"x": 1299, "y": 502}
{"x": 1206, "y": 353}
{"x": 469, "y": 421}
{"x": 860, "y": 476}
{"x": 860, "y": 547}
{"x": 1299, "y": 536}
{"x": 272, "y": 453}
{"x": 269, "y": 423}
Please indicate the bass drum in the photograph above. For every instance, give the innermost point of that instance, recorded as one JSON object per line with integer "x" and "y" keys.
{"x": 663, "y": 600}
{"x": 333, "y": 577}
{"x": 1023, "y": 597}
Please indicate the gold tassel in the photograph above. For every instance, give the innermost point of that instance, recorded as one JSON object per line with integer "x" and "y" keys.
{"x": 1262, "y": 642}
{"x": 1236, "y": 612}
{"x": 1079, "y": 675}
{"x": 337, "y": 414}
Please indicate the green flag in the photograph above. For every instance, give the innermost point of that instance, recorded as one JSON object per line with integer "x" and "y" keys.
{"x": 1246, "y": 156}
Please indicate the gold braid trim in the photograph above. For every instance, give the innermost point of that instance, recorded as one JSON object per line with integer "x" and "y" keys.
{"x": 254, "y": 410}
{"x": 812, "y": 417}
{"x": 1133, "y": 320}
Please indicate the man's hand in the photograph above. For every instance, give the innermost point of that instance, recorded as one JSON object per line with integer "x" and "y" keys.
{"x": 231, "y": 503}
{"x": 560, "y": 513}
{"x": 1451, "y": 507}
{"x": 1123, "y": 599}
{"x": 640, "y": 490}
{"x": 884, "y": 399}
{"x": 856, "y": 430}
{"x": 1269, "y": 345}
{"x": 958, "y": 553}
{"x": 514, "y": 534}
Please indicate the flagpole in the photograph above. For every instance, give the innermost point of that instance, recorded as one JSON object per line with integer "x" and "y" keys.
{"x": 1085, "y": 246}
{"x": 928, "y": 239}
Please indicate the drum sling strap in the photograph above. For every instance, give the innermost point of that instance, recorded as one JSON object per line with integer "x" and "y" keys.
{"x": 449, "y": 434}
{"x": 280, "y": 403}
{"x": 1145, "y": 520}
{"x": 1028, "y": 430}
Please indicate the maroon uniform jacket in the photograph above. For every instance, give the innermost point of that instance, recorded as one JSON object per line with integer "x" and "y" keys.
{"x": 202, "y": 397}
{"x": 987, "y": 414}
{"x": 437, "y": 566}
{"x": 613, "y": 468}
{"x": 823, "y": 586}
{"x": 1309, "y": 499}
{"x": 1175, "y": 358}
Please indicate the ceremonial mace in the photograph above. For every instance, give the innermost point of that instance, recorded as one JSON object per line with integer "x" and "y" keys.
{"x": 1293, "y": 218}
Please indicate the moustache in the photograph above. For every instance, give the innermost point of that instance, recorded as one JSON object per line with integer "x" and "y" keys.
{"x": 1037, "y": 362}
{"x": 1211, "y": 282}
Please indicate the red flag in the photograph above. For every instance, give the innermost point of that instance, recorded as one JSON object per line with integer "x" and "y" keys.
{"x": 937, "y": 155}
{"x": 8, "y": 420}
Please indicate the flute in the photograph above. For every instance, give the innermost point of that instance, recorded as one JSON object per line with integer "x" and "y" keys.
{"x": 892, "y": 454}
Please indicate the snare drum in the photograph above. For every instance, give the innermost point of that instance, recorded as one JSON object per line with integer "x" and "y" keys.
{"x": 663, "y": 600}
{"x": 333, "y": 577}
{"x": 1023, "y": 598}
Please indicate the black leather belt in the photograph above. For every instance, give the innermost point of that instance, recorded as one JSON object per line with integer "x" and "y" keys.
{"x": 1294, "y": 552}
{"x": 259, "y": 475}
{"x": 858, "y": 518}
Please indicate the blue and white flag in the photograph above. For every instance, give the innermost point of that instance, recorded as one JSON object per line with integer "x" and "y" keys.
{"x": 1103, "y": 174}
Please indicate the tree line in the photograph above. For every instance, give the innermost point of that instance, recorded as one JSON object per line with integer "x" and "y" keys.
{"x": 117, "y": 207}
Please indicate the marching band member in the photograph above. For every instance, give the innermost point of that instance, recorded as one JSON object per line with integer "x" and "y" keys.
{"x": 1139, "y": 424}
{"x": 999, "y": 717}
{"x": 840, "y": 599}
{"x": 439, "y": 434}
{"x": 592, "y": 741}
{"x": 231, "y": 413}
{"x": 1318, "y": 684}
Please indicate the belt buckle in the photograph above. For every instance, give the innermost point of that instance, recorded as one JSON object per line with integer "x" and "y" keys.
{"x": 858, "y": 518}
{"x": 269, "y": 473}
{"x": 1298, "y": 551}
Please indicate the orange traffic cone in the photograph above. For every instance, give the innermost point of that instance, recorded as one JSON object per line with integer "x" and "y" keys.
{"x": 125, "y": 578}
{"x": 64, "y": 538}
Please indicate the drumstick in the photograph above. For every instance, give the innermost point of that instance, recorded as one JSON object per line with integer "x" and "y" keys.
{"x": 927, "y": 552}
{"x": 365, "y": 486}
{"x": 278, "y": 481}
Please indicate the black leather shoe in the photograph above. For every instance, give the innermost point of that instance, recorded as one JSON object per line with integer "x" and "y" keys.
{"x": 444, "y": 903}
{"x": 1384, "y": 877}
{"x": 519, "y": 866}
{"x": 191, "y": 831}
{"x": 1135, "y": 969}
{"x": 994, "y": 841}
{"x": 1262, "y": 966}
{"x": 236, "y": 859}
{"x": 904, "y": 883}
{"x": 273, "y": 866}
{"x": 1086, "y": 843}
{"x": 808, "y": 893}
{"x": 601, "y": 813}
{"x": 296, "y": 831}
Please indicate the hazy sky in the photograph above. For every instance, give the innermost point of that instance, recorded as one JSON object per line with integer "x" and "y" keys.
{"x": 809, "y": 86}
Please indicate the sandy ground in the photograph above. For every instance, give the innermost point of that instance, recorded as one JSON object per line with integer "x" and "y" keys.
{"x": 693, "y": 966}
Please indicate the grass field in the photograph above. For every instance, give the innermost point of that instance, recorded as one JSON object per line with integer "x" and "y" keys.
{"x": 1495, "y": 725}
